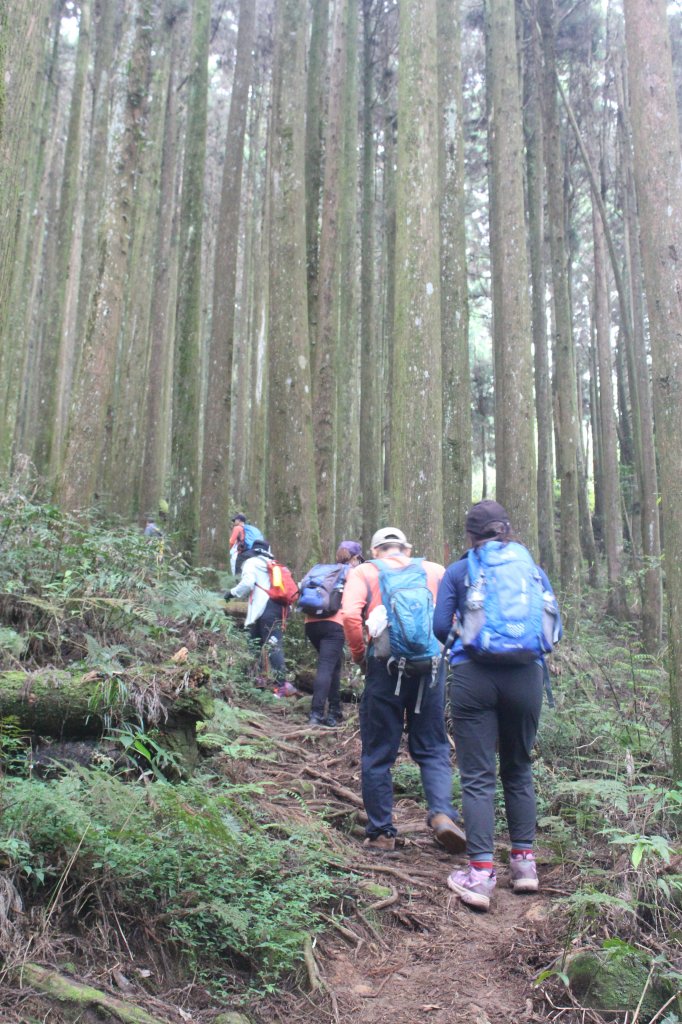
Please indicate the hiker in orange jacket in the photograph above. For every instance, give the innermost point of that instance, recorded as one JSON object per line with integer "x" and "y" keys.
{"x": 393, "y": 694}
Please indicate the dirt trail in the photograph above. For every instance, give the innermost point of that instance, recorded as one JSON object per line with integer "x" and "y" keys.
{"x": 424, "y": 956}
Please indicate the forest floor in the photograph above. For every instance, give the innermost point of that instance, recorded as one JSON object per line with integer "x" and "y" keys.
{"x": 418, "y": 954}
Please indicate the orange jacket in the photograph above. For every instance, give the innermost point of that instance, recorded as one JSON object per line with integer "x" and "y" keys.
{"x": 363, "y": 583}
{"x": 237, "y": 535}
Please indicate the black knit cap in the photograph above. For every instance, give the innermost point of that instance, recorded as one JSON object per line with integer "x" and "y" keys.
{"x": 487, "y": 519}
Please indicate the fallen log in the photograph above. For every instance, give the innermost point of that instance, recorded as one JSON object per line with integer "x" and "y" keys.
{"x": 63, "y": 704}
{"x": 67, "y": 992}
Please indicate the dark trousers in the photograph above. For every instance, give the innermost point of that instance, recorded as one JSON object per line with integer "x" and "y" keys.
{"x": 327, "y": 639}
{"x": 495, "y": 707}
{"x": 382, "y": 717}
{"x": 268, "y": 630}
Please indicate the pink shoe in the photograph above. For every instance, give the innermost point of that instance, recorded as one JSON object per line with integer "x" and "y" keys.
{"x": 473, "y": 886}
{"x": 285, "y": 690}
{"x": 523, "y": 872}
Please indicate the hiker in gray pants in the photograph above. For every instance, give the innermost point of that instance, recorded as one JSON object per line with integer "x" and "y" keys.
{"x": 494, "y": 707}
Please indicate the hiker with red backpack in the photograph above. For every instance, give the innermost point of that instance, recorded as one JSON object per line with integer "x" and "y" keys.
{"x": 321, "y": 592}
{"x": 497, "y": 613}
{"x": 387, "y": 619}
{"x": 271, "y": 591}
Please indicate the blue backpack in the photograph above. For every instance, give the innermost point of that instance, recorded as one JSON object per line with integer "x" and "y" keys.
{"x": 251, "y": 534}
{"x": 409, "y": 610}
{"x": 321, "y": 590}
{"x": 509, "y": 617}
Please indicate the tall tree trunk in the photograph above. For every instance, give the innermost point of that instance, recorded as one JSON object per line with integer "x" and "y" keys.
{"x": 641, "y": 399}
{"x": 516, "y": 477}
{"x": 184, "y": 497}
{"x": 371, "y": 476}
{"x": 162, "y": 313}
{"x": 347, "y": 500}
{"x": 214, "y": 518}
{"x": 90, "y": 407}
{"x": 291, "y": 495}
{"x": 565, "y": 393}
{"x": 658, "y": 177}
{"x": 454, "y": 303}
{"x": 416, "y": 494}
{"x": 318, "y": 61}
{"x": 325, "y": 365}
{"x": 535, "y": 184}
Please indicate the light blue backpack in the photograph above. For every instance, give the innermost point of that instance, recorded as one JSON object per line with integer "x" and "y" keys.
{"x": 509, "y": 617}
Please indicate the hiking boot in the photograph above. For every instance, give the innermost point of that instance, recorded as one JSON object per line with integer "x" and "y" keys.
{"x": 333, "y": 721}
{"x": 447, "y": 834}
{"x": 317, "y": 720}
{"x": 336, "y": 714}
{"x": 382, "y": 842}
{"x": 473, "y": 886}
{"x": 523, "y": 872}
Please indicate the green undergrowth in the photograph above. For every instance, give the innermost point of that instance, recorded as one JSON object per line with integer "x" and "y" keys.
{"x": 607, "y": 806}
{"x": 234, "y": 893}
{"x": 195, "y": 874}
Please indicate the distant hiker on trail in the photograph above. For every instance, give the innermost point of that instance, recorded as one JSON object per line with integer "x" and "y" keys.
{"x": 392, "y": 597}
{"x": 242, "y": 539}
{"x": 320, "y": 600}
{"x": 505, "y": 619}
{"x": 266, "y": 613}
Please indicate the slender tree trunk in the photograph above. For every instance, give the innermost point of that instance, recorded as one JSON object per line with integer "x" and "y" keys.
{"x": 658, "y": 177}
{"x": 371, "y": 475}
{"x": 214, "y": 518}
{"x": 416, "y": 495}
{"x": 162, "y": 313}
{"x": 291, "y": 496}
{"x": 535, "y": 184}
{"x": 516, "y": 479}
{"x": 325, "y": 364}
{"x": 184, "y": 497}
{"x": 318, "y": 61}
{"x": 565, "y": 393}
{"x": 454, "y": 303}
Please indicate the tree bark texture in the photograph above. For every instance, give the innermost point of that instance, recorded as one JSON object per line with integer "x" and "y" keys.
{"x": 291, "y": 486}
{"x": 658, "y": 178}
{"x": 214, "y": 516}
{"x": 416, "y": 475}
{"x": 454, "y": 303}
{"x": 516, "y": 479}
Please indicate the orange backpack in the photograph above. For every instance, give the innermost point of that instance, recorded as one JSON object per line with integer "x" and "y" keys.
{"x": 282, "y": 589}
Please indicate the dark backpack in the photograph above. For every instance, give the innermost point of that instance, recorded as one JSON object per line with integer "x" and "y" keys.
{"x": 509, "y": 617}
{"x": 408, "y": 600}
{"x": 322, "y": 589}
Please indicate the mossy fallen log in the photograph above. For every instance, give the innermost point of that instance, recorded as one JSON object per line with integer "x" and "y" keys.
{"x": 67, "y": 992}
{"x": 67, "y": 705}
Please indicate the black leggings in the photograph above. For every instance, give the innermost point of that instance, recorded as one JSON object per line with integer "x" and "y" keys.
{"x": 327, "y": 639}
{"x": 495, "y": 707}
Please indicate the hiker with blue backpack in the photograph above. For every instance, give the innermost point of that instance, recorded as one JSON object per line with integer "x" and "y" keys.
{"x": 321, "y": 591}
{"x": 243, "y": 537}
{"x": 387, "y": 620}
{"x": 497, "y": 613}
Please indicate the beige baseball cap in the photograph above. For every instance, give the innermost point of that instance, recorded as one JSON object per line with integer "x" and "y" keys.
{"x": 389, "y": 535}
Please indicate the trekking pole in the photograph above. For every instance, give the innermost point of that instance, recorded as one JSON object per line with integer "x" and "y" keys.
{"x": 451, "y": 637}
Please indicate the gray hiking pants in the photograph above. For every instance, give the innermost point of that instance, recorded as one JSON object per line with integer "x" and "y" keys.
{"x": 495, "y": 708}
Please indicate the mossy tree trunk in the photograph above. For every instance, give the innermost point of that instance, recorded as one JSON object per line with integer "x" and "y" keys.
{"x": 291, "y": 489}
{"x": 658, "y": 178}
{"x": 535, "y": 185}
{"x": 564, "y": 383}
{"x": 184, "y": 495}
{"x": 416, "y": 480}
{"x": 325, "y": 349}
{"x": 371, "y": 474}
{"x": 214, "y": 507}
{"x": 516, "y": 480}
